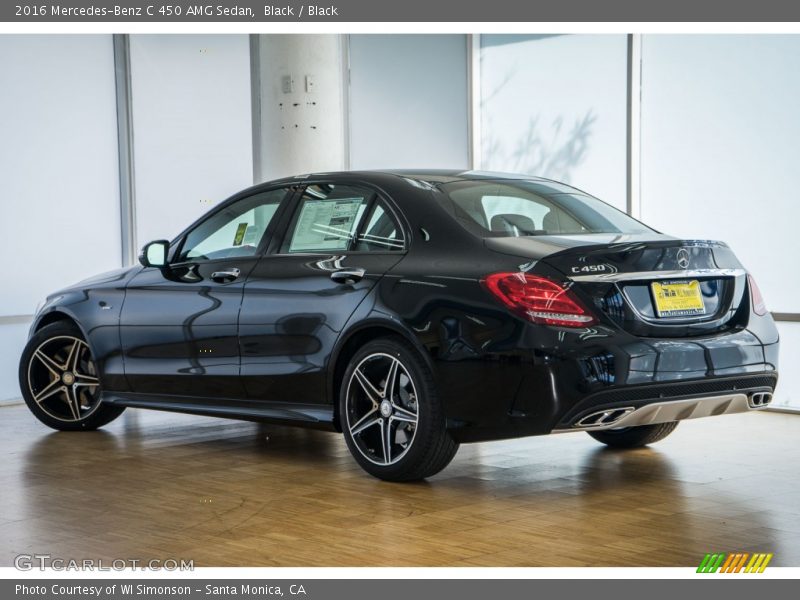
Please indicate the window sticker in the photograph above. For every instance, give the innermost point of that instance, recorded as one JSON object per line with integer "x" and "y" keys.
{"x": 325, "y": 224}
{"x": 251, "y": 236}
{"x": 239, "y": 237}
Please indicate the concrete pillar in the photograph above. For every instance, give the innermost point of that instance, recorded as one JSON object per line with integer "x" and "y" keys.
{"x": 302, "y": 104}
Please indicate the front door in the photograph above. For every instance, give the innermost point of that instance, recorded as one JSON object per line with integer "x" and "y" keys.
{"x": 179, "y": 324}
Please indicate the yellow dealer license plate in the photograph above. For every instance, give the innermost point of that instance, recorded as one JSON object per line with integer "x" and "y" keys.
{"x": 678, "y": 298}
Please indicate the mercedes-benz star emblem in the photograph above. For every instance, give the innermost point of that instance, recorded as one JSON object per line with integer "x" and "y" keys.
{"x": 683, "y": 258}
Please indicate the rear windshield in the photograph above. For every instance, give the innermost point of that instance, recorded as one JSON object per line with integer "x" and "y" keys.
{"x": 522, "y": 208}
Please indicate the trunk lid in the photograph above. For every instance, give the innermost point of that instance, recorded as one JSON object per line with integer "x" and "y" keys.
{"x": 648, "y": 284}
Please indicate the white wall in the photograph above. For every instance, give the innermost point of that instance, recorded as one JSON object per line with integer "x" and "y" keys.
{"x": 555, "y": 106}
{"x": 192, "y": 127}
{"x": 58, "y": 163}
{"x": 408, "y": 101}
{"x": 788, "y": 392}
{"x": 303, "y": 129}
{"x": 59, "y": 186}
{"x": 13, "y": 336}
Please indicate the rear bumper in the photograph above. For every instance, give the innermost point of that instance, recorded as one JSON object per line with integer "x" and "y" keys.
{"x": 549, "y": 412}
{"x": 555, "y": 387}
{"x": 667, "y": 403}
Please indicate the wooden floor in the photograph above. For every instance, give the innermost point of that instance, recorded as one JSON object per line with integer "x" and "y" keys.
{"x": 226, "y": 493}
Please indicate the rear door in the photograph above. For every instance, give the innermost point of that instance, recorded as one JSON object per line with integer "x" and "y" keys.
{"x": 339, "y": 240}
{"x": 179, "y": 324}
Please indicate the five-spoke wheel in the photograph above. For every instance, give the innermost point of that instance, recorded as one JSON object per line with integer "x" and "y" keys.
{"x": 390, "y": 414}
{"x": 59, "y": 380}
{"x": 62, "y": 378}
{"x": 382, "y": 410}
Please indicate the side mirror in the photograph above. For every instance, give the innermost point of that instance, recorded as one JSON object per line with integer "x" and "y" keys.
{"x": 154, "y": 254}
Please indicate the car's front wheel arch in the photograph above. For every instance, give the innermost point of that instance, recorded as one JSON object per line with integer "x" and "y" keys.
{"x": 56, "y": 316}
{"x": 65, "y": 318}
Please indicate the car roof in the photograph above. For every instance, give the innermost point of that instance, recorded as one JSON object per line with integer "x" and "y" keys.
{"x": 427, "y": 177}
{"x": 421, "y": 181}
{"x": 431, "y": 175}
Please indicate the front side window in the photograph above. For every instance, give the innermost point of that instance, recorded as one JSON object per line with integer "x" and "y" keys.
{"x": 500, "y": 209}
{"x": 339, "y": 218}
{"x": 237, "y": 230}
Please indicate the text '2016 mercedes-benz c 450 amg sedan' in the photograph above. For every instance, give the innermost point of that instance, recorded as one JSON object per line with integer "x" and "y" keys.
{"x": 412, "y": 311}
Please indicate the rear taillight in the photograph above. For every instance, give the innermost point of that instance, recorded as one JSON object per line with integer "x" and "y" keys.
{"x": 756, "y": 299}
{"x": 538, "y": 299}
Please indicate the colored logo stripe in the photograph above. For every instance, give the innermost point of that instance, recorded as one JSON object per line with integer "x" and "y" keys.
{"x": 758, "y": 563}
{"x": 710, "y": 563}
{"x": 734, "y": 562}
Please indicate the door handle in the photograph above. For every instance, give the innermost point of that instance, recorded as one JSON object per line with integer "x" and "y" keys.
{"x": 225, "y": 276}
{"x": 348, "y": 276}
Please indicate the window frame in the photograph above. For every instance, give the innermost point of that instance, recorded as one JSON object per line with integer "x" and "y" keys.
{"x": 377, "y": 195}
{"x": 176, "y": 246}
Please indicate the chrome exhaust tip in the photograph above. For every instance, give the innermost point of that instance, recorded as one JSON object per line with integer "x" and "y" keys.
{"x": 604, "y": 418}
{"x": 759, "y": 399}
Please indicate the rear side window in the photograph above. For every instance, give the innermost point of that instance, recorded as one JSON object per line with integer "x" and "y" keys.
{"x": 339, "y": 218}
{"x": 500, "y": 209}
{"x": 380, "y": 232}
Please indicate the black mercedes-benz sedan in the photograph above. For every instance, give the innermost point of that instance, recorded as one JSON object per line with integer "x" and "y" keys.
{"x": 412, "y": 312}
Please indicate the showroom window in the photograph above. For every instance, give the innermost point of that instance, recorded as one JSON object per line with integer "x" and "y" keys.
{"x": 236, "y": 230}
{"x": 328, "y": 219}
{"x": 555, "y": 106}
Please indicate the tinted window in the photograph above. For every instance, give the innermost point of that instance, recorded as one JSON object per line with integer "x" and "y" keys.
{"x": 520, "y": 208}
{"x": 236, "y": 230}
{"x": 327, "y": 218}
{"x": 380, "y": 232}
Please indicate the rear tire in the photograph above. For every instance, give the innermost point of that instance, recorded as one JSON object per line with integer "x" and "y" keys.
{"x": 634, "y": 437}
{"x": 392, "y": 419}
{"x": 60, "y": 383}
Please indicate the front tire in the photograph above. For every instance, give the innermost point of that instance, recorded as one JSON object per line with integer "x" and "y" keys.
{"x": 59, "y": 380}
{"x": 634, "y": 437}
{"x": 391, "y": 416}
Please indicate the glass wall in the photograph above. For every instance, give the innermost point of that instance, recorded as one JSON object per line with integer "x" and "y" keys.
{"x": 719, "y": 157}
{"x": 555, "y": 106}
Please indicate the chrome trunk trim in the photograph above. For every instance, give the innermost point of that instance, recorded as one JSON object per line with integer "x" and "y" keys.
{"x": 659, "y": 275}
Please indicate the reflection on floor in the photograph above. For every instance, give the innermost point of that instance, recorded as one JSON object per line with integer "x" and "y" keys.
{"x": 225, "y": 493}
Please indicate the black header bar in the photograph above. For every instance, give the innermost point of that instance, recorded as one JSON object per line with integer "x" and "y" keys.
{"x": 464, "y": 11}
